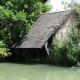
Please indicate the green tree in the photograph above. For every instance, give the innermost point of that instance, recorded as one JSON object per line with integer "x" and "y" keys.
{"x": 16, "y": 18}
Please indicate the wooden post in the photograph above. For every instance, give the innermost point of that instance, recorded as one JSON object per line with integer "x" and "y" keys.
{"x": 48, "y": 45}
{"x": 47, "y": 50}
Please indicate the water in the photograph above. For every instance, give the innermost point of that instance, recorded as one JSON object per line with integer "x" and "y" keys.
{"x": 10, "y": 71}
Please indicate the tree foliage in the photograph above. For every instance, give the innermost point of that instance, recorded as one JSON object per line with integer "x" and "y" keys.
{"x": 4, "y": 52}
{"x": 16, "y": 18}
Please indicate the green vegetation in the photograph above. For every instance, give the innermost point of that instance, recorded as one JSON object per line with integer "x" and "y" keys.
{"x": 16, "y": 18}
{"x": 4, "y": 52}
{"x": 67, "y": 52}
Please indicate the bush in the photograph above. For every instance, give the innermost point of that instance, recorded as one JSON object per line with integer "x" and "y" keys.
{"x": 4, "y": 52}
{"x": 67, "y": 52}
{"x": 16, "y": 18}
{"x": 13, "y": 26}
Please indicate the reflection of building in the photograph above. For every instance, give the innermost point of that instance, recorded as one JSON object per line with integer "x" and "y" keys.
{"x": 47, "y": 27}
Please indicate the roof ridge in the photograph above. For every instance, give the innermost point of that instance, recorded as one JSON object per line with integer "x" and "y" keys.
{"x": 57, "y": 12}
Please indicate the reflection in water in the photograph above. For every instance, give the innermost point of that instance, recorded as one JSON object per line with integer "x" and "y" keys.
{"x": 9, "y": 71}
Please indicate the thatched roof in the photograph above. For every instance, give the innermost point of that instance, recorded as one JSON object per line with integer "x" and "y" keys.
{"x": 43, "y": 28}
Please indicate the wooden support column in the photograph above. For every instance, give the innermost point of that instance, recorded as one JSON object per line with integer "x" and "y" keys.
{"x": 48, "y": 45}
{"x": 47, "y": 50}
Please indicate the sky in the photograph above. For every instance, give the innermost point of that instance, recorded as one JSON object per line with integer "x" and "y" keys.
{"x": 57, "y": 5}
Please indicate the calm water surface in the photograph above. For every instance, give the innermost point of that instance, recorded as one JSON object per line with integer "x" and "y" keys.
{"x": 10, "y": 71}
